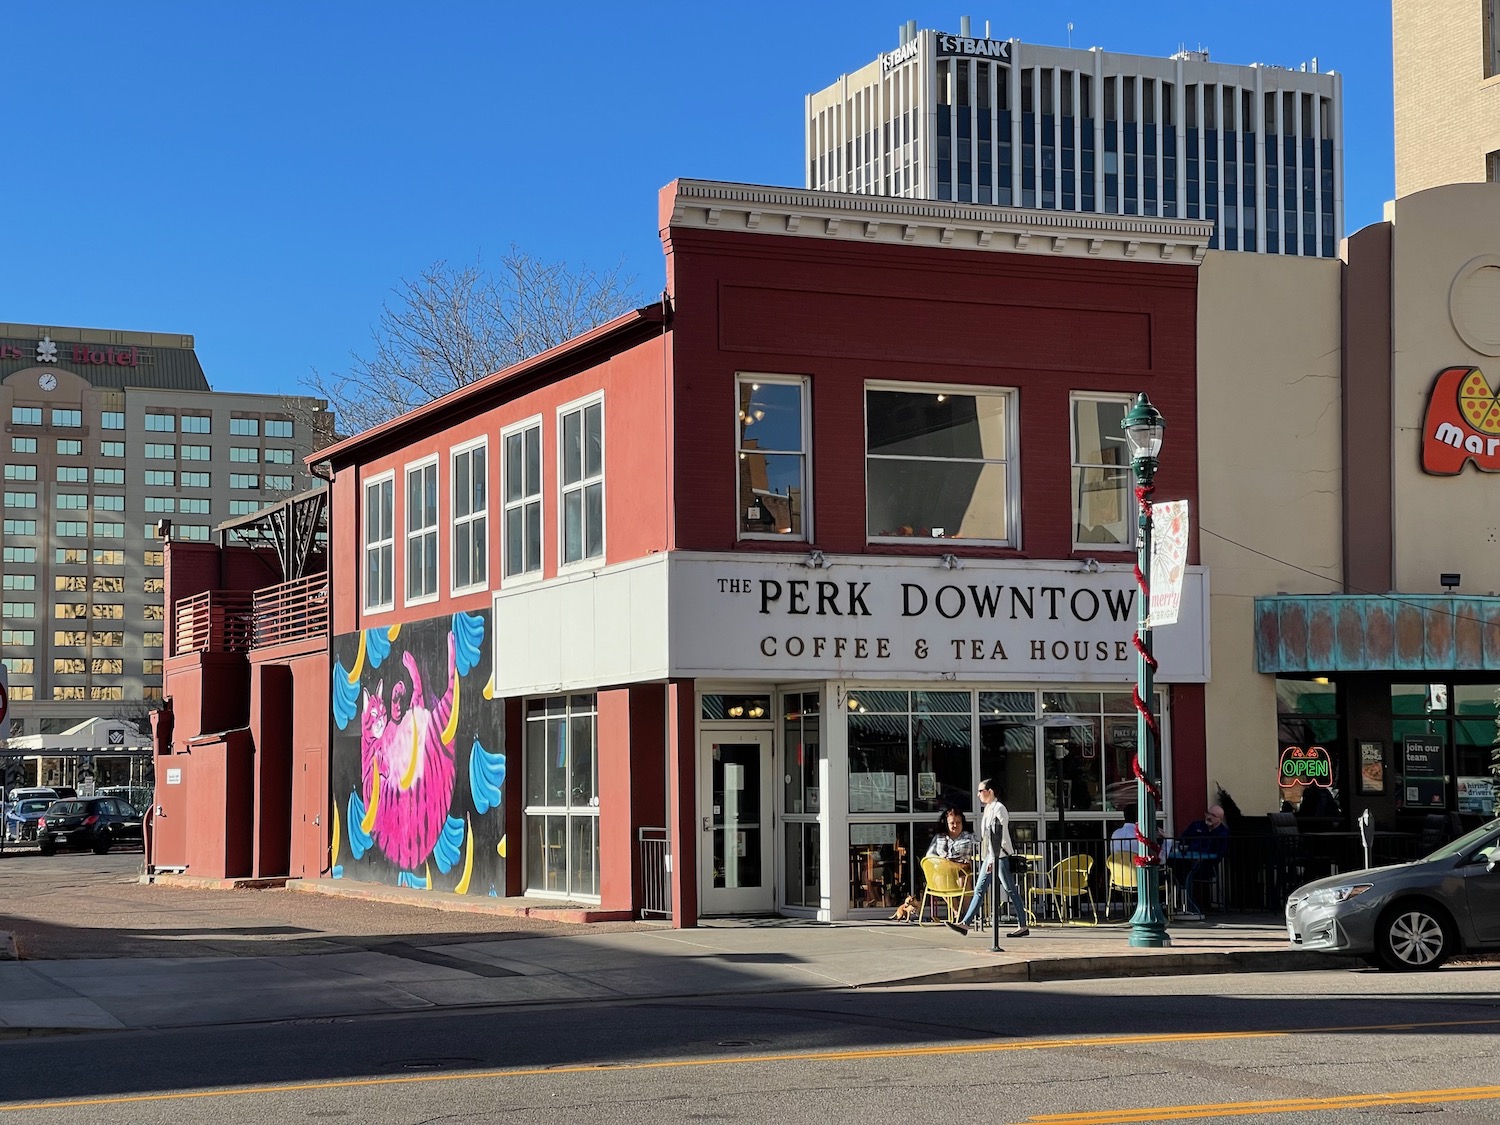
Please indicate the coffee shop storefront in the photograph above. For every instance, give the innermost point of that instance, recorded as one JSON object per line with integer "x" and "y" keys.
{"x": 841, "y": 702}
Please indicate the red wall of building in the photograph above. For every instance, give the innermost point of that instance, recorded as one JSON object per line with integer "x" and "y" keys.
{"x": 843, "y": 314}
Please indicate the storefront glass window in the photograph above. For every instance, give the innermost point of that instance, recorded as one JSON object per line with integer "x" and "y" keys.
{"x": 803, "y": 871}
{"x": 1007, "y": 746}
{"x": 1474, "y": 736}
{"x": 1307, "y": 715}
{"x": 879, "y": 864}
{"x": 562, "y": 806}
{"x": 802, "y": 798}
{"x": 732, "y": 707}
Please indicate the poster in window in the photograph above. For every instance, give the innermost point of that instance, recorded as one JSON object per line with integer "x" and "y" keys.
{"x": 1423, "y": 755}
{"x": 927, "y": 787}
{"x": 1372, "y": 767}
{"x": 1476, "y": 795}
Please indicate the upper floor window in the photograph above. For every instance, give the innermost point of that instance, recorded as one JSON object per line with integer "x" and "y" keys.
{"x": 197, "y": 480}
{"x": 278, "y": 482}
{"x": 244, "y": 427}
{"x": 421, "y": 531}
{"x": 380, "y": 543}
{"x": 523, "y": 499}
{"x": 26, "y": 415}
{"x": 197, "y": 424}
{"x": 23, "y": 445}
{"x": 1101, "y": 472}
{"x": 279, "y": 427}
{"x": 160, "y": 451}
{"x": 244, "y": 480}
{"x": 470, "y": 517}
{"x": 581, "y": 448}
{"x": 244, "y": 454}
{"x": 161, "y": 423}
{"x": 69, "y": 418}
{"x": 197, "y": 452}
{"x": 938, "y": 464}
{"x": 111, "y": 449}
{"x": 112, "y": 420}
{"x": 69, "y": 447}
{"x": 278, "y": 456}
{"x": 772, "y": 417}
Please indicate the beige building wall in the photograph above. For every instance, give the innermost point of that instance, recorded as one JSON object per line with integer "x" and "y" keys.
{"x": 1270, "y": 479}
{"x": 1446, "y": 249}
{"x": 1447, "y": 80}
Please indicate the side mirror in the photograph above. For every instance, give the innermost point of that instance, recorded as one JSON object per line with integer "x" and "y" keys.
{"x": 1490, "y": 857}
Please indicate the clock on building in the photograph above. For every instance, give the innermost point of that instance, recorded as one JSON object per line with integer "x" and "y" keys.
{"x": 47, "y": 381}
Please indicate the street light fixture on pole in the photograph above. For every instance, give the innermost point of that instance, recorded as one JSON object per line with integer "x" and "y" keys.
{"x": 1143, "y": 427}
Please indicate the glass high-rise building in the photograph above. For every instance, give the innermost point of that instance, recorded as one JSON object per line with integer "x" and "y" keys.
{"x": 1257, "y": 150}
{"x": 106, "y": 434}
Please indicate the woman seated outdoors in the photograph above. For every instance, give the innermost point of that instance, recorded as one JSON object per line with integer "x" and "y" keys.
{"x": 954, "y": 840}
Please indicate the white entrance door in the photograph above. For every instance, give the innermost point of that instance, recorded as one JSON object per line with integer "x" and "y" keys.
{"x": 734, "y": 802}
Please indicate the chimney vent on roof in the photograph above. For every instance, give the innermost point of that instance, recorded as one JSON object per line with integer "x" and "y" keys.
{"x": 963, "y": 27}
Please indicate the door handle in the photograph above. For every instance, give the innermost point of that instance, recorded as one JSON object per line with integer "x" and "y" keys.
{"x": 706, "y": 826}
{"x": 318, "y": 819}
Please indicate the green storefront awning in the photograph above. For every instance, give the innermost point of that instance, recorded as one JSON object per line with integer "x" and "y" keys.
{"x": 1376, "y": 633}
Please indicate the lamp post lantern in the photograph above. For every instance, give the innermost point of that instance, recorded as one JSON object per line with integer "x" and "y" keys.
{"x": 1143, "y": 427}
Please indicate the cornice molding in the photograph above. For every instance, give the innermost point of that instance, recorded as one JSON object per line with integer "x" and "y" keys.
{"x": 842, "y": 217}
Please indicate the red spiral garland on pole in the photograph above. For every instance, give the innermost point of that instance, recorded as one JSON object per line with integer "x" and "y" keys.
{"x": 1150, "y": 843}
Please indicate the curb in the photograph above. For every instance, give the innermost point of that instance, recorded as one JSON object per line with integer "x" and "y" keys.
{"x": 205, "y": 883}
{"x": 1155, "y": 965}
{"x": 456, "y": 904}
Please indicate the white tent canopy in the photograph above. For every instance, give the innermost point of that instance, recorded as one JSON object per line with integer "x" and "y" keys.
{"x": 93, "y": 736}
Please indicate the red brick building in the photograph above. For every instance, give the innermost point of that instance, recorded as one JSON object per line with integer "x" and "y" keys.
{"x": 716, "y": 607}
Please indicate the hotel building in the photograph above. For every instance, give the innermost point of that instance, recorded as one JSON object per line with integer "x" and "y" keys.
{"x": 106, "y": 434}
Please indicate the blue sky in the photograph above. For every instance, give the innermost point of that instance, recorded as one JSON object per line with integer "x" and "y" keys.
{"x": 261, "y": 174}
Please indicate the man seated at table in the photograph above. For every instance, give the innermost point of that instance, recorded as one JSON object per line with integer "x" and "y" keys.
{"x": 1200, "y": 845}
{"x": 1122, "y": 840}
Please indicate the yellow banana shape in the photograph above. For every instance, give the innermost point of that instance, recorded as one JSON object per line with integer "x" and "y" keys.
{"x": 500, "y": 847}
{"x": 411, "y": 769}
{"x": 462, "y": 887}
{"x": 428, "y": 868}
{"x": 452, "y": 728}
{"x": 359, "y": 661}
{"x": 368, "y": 823}
{"x": 489, "y": 689}
{"x": 333, "y": 852}
{"x": 394, "y": 631}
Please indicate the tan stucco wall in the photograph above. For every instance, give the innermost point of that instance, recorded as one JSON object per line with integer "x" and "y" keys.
{"x": 1447, "y": 111}
{"x": 1447, "y": 523}
{"x": 1270, "y": 477}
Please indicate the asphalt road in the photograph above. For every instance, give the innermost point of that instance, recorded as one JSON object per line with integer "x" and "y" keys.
{"x": 1283, "y": 1047}
{"x": 77, "y": 904}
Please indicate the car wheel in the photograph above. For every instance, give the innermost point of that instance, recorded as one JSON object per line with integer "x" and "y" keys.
{"x": 101, "y": 845}
{"x": 1413, "y": 936}
{"x": 49, "y": 849}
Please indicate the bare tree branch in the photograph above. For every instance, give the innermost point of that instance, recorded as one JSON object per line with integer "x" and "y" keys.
{"x": 451, "y": 325}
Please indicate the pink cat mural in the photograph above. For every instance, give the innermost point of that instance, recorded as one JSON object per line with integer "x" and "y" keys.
{"x": 407, "y": 752}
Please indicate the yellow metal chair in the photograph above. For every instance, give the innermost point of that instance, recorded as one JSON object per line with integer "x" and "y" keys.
{"x": 1124, "y": 878}
{"x": 1067, "y": 881}
{"x": 946, "y": 880}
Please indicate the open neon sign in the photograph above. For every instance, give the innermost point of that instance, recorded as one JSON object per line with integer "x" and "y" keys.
{"x": 1306, "y": 765}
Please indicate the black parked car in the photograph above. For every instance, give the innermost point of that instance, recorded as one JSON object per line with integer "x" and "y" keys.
{"x": 88, "y": 822}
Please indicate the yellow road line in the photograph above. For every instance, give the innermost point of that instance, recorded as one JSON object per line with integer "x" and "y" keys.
{"x": 1280, "y": 1105}
{"x": 792, "y": 1057}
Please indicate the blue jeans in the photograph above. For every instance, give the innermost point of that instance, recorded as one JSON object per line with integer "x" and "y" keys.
{"x": 982, "y": 884}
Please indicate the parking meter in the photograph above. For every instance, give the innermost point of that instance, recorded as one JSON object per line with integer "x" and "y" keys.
{"x": 1367, "y": 833}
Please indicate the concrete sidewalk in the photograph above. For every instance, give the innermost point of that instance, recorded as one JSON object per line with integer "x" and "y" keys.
{"x": 729, "y": 957}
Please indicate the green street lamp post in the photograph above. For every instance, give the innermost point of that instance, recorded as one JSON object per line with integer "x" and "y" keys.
{"x": 1143, "y": 427}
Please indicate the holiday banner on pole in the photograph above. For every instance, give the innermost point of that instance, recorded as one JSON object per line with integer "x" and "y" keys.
{"x": 1169, "y": 543}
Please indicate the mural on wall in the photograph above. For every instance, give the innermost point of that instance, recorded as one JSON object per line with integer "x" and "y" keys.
{"x": 418, "y": 759}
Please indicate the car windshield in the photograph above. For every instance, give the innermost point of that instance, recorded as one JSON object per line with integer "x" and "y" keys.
{"x": 34, "y": 805}
{"x": 1464, "y": 843}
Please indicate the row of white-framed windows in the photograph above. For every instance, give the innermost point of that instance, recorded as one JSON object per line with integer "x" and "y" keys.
{"x": 422, "y": 531}
{"x": 772, "y": 457}
{"x": 581, "y": 435}
{"x": 470, "y": 516}
{"x": 380, "y": 542}
{"x": 523, "y": 499}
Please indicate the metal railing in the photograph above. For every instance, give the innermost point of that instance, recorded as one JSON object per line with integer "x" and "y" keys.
{"x": 213, "y": 621}
{"x": 292, "y": 611}
{"x": 656, "y": 872}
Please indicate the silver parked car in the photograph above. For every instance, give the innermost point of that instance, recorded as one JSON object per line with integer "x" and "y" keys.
{"x": 1411, "y": 915}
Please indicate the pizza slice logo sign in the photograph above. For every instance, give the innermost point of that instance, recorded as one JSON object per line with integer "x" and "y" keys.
{"x": 1462, "y": 423}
